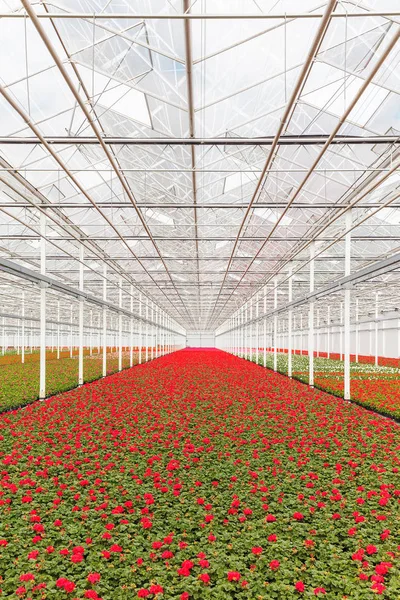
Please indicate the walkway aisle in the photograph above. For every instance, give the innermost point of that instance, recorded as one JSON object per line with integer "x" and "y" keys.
{"x": 198, "y": 475}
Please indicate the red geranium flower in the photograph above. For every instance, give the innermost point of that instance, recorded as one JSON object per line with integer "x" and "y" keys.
{"x": 298, "y": 516}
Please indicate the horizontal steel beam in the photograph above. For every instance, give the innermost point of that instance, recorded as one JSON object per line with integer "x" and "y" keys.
{"x": 288, "y": 140}
{"x": 162, "y": 238}
{"x": 200, "y": 170}
{"x": 198, "y": 272}
{"x": 176, "y": 205}
{"x": 192, "y": 258}
{"x": 199, "y": 16}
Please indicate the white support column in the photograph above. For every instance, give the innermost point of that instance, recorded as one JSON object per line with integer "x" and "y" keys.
{"x": 158, "y": 323}
{"x": 275, "y": 325}
{"x": 120, "y": 327}
{"x": 398, "y": 339}
{"x": 147, "y": 329}
{"x": 80, "y": 359}
{"x": 301, "y": 334}
{"x": 246, "y": 331}
{"x": 328, "y": 333}
{"x": 23, "y": 328}
{"x": 290, "y": 325}
{"x": 70, "y": 331}
{"x": 251, "y": 332}
{"x": 347, "y": 300}
{"x": 357, "y": 332}
{"x": 91, "y": 333}
{"x": 265, "y": 326}
{"x": 104, "y": 320}
{"x": 152, "y": 331}
{"x": 131, "y": 331}
{"x": 162, "y": 332}
{"x": 42, "y": 379}
{"x": 341, "y": 332}
{"x": 376, "y": 329}
{"x": 140, "y": 329}
{"x": 4, "y": 336}
{"x": 370, "y": 339}
{"x": 58, "y": 329}
{"x": 317, "y": 333}
{"x": 311, "y": 319}
{"x": 257, "y": 327}
{"x": 239, "y": 332}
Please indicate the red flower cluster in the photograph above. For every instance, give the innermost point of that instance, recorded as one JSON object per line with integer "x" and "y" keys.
{"x": 194, "y": 475}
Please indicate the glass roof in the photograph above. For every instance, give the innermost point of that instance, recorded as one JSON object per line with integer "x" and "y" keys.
{"x": 200, "y": 156}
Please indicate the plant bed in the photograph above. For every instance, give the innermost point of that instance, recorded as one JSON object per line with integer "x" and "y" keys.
{"x": 200, "y": 476}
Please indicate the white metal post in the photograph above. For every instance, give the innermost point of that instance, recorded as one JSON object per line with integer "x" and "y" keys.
{"x": 147, "y": 329}
{"x": 265, "y": 326}
{"x": 120, "y": 327}
{"x": 91, "y": 333}
{"x": 251, "y": 332}
{"x": 247, "y": 331}
{"x": 275, "y": 324}
{"x": 161, "y": 332}
{"x": 23, "y": 329}
{"x": 104, "y": 320}
{"x": 311, "y": 318}
{"x": 131, "y": 331}
{"x": 301, "y": 334}
{"x": 158, "y": 332}
{"x": 80, "y": 359}
{"x": 357, "y": 332}
{"x": 70, "y": 329}
{"x": 376, "y": 329}
{"x": 257, "y": 327}
{"x": 290, "y": 324}
{"x": 152, "y": 331}
{"x": 140, "y": 329}
{"x": 42, "y": 358}
{"x": 341, "y": 332}
{"x": 58, "y": 329}
{"x": 347, "y": 300}
{"x": 328, "y": 333}
{"x": 398, "y": 339}
{"x": 237, "y": 330}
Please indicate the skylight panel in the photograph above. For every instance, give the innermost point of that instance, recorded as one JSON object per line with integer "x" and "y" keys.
{"x": 116, "y": 96}
{"x": 237, "y": 180}
{"x": 157, "y": 216}
{"x": 219, "y": 245}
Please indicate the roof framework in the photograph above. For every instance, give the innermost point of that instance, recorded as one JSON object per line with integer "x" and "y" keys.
{"x": 199, "y": 154}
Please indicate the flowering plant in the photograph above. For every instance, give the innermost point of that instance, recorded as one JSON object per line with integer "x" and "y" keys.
{"x": 198, "y": 475}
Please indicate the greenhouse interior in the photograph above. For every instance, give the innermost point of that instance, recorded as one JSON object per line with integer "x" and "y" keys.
{"x": 200, "y": 299}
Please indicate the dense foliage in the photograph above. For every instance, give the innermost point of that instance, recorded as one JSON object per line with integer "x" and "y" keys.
{"x": 376, "y": 387}
{"x": 199, "y": 475}
{"x": 19, "y": 383}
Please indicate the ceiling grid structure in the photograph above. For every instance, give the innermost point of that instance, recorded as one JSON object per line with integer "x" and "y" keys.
{"x": 198, "y": 153}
